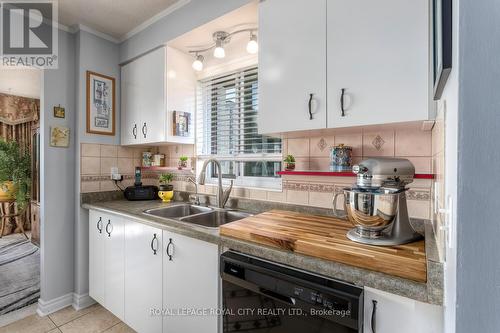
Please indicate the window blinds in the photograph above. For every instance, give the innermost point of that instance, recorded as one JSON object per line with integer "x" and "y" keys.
{"x": 227, "y": 119}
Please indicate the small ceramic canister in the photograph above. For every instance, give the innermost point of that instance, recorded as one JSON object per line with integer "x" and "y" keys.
{"x": 341, "y": 158}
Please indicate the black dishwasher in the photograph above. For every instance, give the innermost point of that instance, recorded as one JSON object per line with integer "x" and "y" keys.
{"x": 262, "y": 296}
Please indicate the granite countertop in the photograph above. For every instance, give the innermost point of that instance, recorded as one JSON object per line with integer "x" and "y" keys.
{"x": 430, "y": 292}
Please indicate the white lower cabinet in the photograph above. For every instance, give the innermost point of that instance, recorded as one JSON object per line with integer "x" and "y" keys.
{"x": 190, "y": 284}
{"x": 396, "y": 314}
{"x": 143, "y": 277}
{"x": 106, "y": 261}
{"x": 153, "y": 280}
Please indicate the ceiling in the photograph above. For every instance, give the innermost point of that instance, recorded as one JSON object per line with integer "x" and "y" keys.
{"x": 245, "y": 17}
{"x": 20, "y": 81}
{"x": 113, "y": 17}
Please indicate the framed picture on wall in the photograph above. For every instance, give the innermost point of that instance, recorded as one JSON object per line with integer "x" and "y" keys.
{"x": 443, "y": 32}
{"x": 181, "y": 123}
{"x": 100, "y": 104}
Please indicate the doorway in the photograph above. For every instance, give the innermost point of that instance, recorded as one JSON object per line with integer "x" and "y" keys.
{"x": 20, "y": 90}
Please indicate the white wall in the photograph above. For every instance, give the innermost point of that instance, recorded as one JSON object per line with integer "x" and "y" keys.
{"x": 98, "y": 55}
{"x": 57, "y": 170}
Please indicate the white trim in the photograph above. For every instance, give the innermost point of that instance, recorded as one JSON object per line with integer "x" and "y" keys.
{"x": 48, "y": 307}
{"x": 82, "y": 301}
{"x": 97, "y": 33}
{"x": 14, "y": 316}
{"x": 229, "y": 66}
{"x": 154, "y": 19}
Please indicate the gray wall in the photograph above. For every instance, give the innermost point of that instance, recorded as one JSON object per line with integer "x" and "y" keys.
{"x": 57, "y": 176}
{"x": 478, "y": 250}
{"x": 185, "y": 19}
{"x": 98, "y": 55}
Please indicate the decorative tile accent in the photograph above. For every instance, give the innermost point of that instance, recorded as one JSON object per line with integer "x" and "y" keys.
{"x": 418, "y": 195}
{"x": 322, "y": 188}
{"x": 378, "y": 142}
{"x": 322, "y": 144}
{"x": 296, "y": 186}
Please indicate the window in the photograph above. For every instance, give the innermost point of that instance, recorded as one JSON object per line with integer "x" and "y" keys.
{"x": 227, "y": 130}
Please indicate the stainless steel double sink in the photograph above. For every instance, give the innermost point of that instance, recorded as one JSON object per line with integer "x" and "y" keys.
{"x": 200, "y": 215}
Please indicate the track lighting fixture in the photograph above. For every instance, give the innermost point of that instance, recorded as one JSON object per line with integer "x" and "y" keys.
{"x": 198, "y": 63}
{"x": 252, "y": 45}
{"x": 221, "y": 38}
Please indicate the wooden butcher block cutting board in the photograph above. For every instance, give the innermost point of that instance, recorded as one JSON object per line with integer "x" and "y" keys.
{"x": 325, "y": 237}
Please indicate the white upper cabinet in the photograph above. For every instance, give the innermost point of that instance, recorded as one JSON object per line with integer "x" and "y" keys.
{"x": 292, "y": 65}
{"x": 153, "y": 87}
{"x": 378, "y": 52}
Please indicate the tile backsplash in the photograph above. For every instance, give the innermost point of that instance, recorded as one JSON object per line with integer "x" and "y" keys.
{"x": 311, "y": 153}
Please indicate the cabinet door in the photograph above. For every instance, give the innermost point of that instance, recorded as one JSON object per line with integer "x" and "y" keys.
{"x": 96, "y": 256}
{"x": 292, "y": 65}
{"x": 143, "y": 277}
{"x": 114, "y": 266}
{"x": 153, "y": 96}
{"x": 191, "y": 281}
{"x": 378, "y": 52}
{"x": 395, "y": 314}
{"x": 130, "y": 108}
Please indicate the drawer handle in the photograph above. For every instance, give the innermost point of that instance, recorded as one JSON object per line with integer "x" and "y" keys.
{"x": 144, "y": 129}
{"x": 342, "y": 102}
{"x": 374, "y": 317}
{"x": 134, "y": 131}
{"x": 310, "y": 106}
{"x": 153, "y": 243}
{"x": 107, "y": 226}
{"x": 99, "y": 225}
{"x": 170, "y": 244}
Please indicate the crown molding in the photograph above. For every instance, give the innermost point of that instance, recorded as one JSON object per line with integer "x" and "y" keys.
{"x": 154, "y": 19}
{"x": 81, "y": 27}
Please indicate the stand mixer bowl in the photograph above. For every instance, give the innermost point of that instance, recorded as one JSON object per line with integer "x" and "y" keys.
{"x": 371, "y": 210}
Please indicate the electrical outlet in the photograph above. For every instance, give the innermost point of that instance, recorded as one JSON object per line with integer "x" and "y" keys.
{"x": 115, "y": 175}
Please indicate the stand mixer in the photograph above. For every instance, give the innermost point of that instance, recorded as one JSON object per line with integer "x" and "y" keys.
{"x": 376, "y": 204}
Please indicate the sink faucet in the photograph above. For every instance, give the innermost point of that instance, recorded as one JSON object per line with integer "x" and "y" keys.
{"x": 222, "y": 195}
{"x": 196, "y": 197}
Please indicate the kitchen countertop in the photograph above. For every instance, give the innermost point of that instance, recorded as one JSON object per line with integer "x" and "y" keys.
{"x": 429, "y": 292}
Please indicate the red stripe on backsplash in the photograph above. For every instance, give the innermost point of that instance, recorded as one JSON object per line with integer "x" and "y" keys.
{"x": 339, "y": 174}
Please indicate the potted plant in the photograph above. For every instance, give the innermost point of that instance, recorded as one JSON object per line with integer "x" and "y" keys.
{"x": 15, "y": 173}
{"x": 166, "y": 192}
{"x": 289, "y": 163}
{"x": 183, "y": 162}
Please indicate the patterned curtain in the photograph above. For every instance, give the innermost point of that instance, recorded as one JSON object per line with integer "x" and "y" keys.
{"x": 18, "y": 116}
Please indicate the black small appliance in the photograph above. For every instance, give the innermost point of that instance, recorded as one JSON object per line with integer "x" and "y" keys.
{"x": 140, "y": 192}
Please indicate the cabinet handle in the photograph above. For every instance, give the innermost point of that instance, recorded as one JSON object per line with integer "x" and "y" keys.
{"x": 310, "y": 106}
{"x": 342, "y": 102}
{"x": 99, "y": 223}
{"x": 109, "y": 225}
{"x": 374, "y": 312}
{"x": 170, "y": 255}
{"x": 153, "y": 243}
{"x": 134, "y": 131}
{"x": 144, "y": 130}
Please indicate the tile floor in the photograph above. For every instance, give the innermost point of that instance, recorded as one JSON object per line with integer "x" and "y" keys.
{"x": 93, "y": 319}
